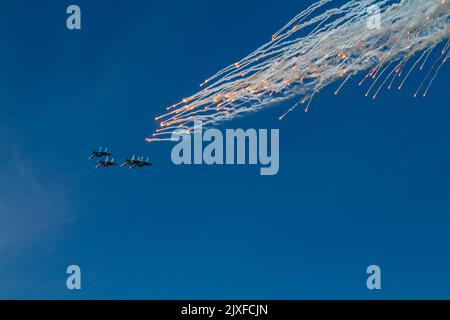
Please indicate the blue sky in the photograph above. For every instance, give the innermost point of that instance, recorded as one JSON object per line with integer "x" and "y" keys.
{"x": 361, "y": 182}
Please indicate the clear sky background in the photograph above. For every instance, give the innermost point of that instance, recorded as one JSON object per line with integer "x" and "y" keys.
{"x": 361, "y": 182}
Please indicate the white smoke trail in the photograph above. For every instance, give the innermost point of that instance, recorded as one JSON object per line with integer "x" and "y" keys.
{"x": 318, "y": 47}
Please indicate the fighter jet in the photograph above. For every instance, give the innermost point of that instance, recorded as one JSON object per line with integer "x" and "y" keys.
{"x": 100, "y": 153}
{"x": 133, "y": 163}
{"x": 141, "y": 163}
{"x": 129, "y": 162}
{"x": 106, "y": 163}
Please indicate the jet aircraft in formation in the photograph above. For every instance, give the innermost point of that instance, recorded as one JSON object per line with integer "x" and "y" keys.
{"x": 106, "y": 162}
